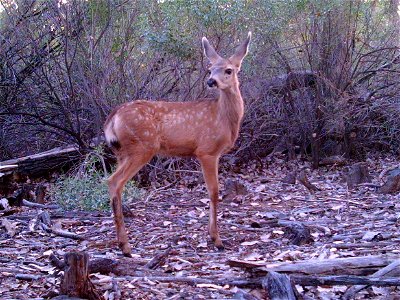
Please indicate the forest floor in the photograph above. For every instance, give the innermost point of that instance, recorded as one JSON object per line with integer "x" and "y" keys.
{"x": 342, "y": 223}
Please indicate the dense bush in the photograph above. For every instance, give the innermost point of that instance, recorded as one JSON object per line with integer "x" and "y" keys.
{"x": 321, "y": 75}
{"x": 86, "y": 188}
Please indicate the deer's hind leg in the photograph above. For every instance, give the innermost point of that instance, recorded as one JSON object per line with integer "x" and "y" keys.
{"x": 128, "y": 166}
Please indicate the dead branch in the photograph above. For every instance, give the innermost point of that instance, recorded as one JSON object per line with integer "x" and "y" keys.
{"x": 350, "y": 293}
{"x": 38, "y": 205}
{"x": 159, "y": 259}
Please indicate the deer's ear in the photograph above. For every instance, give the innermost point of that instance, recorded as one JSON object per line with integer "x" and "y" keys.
{"x": 209, "y": 51}
{"x": 240, "y": 52}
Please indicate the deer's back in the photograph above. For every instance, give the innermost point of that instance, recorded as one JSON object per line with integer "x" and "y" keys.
{"x": 169, "y": 128}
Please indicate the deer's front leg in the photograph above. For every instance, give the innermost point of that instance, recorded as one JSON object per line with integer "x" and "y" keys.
{"x": 209, "y": 165}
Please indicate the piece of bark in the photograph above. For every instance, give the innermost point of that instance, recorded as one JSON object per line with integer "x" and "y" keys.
{"x": 75, "y": 281}
{"x": 298, "y": 234}
{"x": 290, "y": 178}
{"x": 350, "y": 293}
{"x": 278, "y": 286}
{"x": 302, "y": 177}
{"x": 158, "y": 259}
{"x": 392, "y": 184}
{"x": 357, "y": 174}
{"x": 348, "y": 265}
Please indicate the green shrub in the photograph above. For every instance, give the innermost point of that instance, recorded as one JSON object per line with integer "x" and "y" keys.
{"x": 87, "y": 188}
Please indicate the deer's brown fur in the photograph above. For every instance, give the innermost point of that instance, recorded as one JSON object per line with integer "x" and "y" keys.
{"x": 205, "y": 129}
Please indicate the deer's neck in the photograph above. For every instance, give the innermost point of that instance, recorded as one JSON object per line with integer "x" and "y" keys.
{"x": 230, "y": 110}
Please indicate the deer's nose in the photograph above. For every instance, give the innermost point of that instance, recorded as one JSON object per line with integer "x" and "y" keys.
{"x": 211, "y": 82}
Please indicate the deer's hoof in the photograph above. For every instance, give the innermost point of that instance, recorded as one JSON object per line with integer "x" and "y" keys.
{"x": 220, "y": 247}
{"x": 126, "y": 250}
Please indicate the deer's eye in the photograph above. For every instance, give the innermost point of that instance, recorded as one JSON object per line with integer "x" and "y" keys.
{"x": 208, "y": 72}
{"x": 228, "y": 71}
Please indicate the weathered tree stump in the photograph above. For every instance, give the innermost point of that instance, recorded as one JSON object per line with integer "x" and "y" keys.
{"x": 278, "y": 286}
{"x": 76, "y": 282}
{"x": 392, "y": 185}
{"x": 357, "y": 174}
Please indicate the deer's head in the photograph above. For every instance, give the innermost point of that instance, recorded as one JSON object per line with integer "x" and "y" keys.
{"x": 223, "y": 72}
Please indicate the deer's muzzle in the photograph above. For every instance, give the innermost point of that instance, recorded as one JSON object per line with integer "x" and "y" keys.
{"x": 212, "y": 82}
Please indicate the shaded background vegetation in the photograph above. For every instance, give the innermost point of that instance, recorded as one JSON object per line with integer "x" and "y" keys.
{"x": 321, "y": 77}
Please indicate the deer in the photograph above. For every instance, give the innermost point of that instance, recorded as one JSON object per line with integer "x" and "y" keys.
{"x": 205, "y": 129}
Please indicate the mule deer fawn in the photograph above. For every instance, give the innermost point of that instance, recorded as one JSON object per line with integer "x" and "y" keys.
{"x": 205, "y": 129}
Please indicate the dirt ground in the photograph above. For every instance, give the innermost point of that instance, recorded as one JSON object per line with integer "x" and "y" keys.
{"x": 342, "y": 223}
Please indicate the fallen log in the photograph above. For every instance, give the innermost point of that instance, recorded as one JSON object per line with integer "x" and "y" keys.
{"x": 347, "y": 266}
{"x": 305, "y": 280}
{"x": 122, "y": 266}
{"x": 344, "y": 280}
{"x": 40, "y": 163}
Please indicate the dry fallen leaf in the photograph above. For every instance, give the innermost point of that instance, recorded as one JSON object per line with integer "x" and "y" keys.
{"x": 249, "y": 243}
